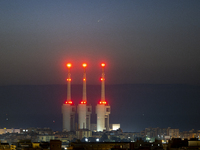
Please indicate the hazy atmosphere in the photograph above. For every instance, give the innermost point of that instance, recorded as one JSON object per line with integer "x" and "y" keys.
{"x": 154, "y": 42}
{"x": 151, "y": 49}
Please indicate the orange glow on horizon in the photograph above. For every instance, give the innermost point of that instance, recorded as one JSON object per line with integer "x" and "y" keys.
{"x": 84, "y": 79}
{"x": 69, "y": 65}
{"x": 84, "y": 65}
{"x": 103, "y": 65}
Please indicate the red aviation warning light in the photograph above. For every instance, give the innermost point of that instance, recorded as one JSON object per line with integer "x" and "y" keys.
{"x": 83, "y": 102}
{"x": 84, "y": 65}
{"x": 102, "y": 102}
{"x": 102, "y": 79}
{"x": 103, "y": 64}
{"x": 69, "y": 65}
{"x": 69, "y": 102}
{"x": 69, "y": 79}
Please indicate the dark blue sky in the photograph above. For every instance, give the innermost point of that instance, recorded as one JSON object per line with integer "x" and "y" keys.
{"x": 141, "y": 41}
{"x": 134, "y": 106}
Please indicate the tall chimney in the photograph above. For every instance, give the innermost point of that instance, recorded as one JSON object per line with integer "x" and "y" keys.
{"x": 69, "y": 83}
{"x": 103, "y": 83}
{"x": 84, "y": 83}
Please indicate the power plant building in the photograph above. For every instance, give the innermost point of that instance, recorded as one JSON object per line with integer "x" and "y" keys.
{"x": 68, "y": 109}
{"x": 102, "y": 108}
{"x": 83, "y": 109}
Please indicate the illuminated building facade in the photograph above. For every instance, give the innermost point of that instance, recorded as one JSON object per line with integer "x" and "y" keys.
{"x": 68, "y": 109}
{"x": 102, "y": 108}
{"x": 12, "y": 130}
{"x": 84, "y": 110}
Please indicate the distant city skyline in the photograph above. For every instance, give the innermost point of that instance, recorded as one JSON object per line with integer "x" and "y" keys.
{"x": 142, "y": 42}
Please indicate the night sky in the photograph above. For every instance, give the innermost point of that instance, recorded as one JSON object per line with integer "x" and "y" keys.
{"x": 154, "y": 42}
{"x": 151, "y": 49}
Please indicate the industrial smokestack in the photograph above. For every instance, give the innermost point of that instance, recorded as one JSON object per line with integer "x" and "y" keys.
{"x": 102, "y": 108}
{"x": 68, "y": 109}
{"x": 84, "y": 83}
{"x": 103, "y": 83}
{"x": 69, "y": 83}
{"x": 82, "y": 108}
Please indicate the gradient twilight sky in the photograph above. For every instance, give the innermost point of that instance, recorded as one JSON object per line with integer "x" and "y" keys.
{"x": 141, "y": 41}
